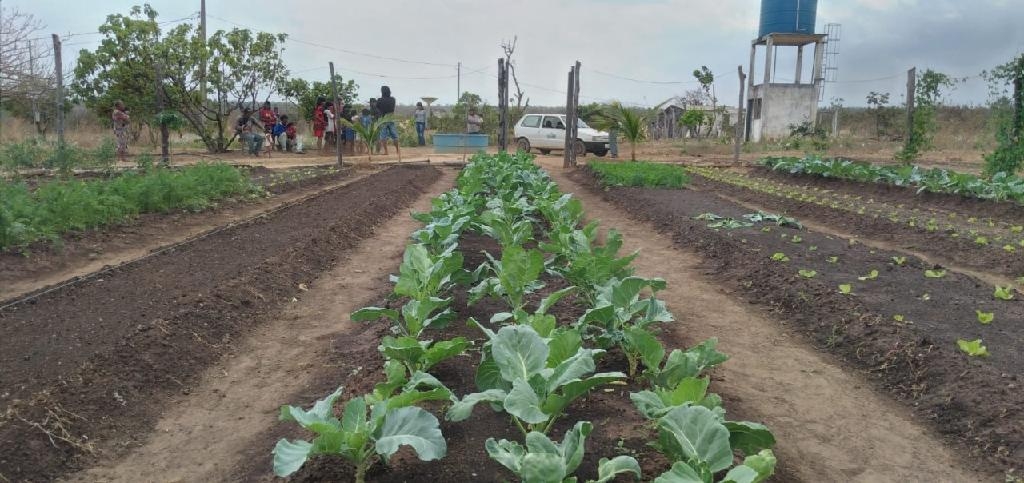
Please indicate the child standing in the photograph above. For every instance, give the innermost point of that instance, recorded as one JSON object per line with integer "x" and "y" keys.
{"x": 420, "y": 116}
{"x": 318, "y": 122}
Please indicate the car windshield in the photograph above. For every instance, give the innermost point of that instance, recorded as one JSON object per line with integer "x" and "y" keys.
{"x": 582, "y": 125}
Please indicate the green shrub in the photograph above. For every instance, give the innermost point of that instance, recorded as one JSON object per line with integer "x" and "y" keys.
{"x": 642, "y": 173}
{"x": 57, "y": 207}
{"x": 40, "y": 154}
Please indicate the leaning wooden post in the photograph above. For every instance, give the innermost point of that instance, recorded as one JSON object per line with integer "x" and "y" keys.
{"x": 58, "y": 69}
{"x": 740, "y": 120}
{"x": 911, "y": 87}
{"x": 566, "y": 160}
{"x": 165, "y": 155}
{"x": 337, "y": 116}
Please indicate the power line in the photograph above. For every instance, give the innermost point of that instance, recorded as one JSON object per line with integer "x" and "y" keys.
{"x": 347, "y": 51}
{"x": 639, "y": 81}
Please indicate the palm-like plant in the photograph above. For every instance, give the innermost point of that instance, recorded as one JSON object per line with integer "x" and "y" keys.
{"x": 630, "y": 123}
{"x": 369, "y": 134}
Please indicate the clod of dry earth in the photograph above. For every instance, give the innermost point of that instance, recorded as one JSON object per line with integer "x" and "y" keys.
{"x": 830, "y": 424}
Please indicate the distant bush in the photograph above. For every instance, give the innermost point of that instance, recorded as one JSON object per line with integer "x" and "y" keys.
{"x": 58, "y": 207}
{"x": 641, "y": 173}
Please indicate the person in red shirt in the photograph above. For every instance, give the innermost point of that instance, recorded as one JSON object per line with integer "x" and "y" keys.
{"x": 319, "y": 123}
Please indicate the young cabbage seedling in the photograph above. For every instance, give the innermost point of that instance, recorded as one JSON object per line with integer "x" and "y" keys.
{"x": 936, "y": 273}
{"x": 845, "y": 288}
{"x": 899, "y": 261}
{"x": 873, "y": 274}
{"x": 780, "y": 257}
{"x": 1003, "y": 293}
{"x": 544, "y": 461}
{"x": 808, "y": 273}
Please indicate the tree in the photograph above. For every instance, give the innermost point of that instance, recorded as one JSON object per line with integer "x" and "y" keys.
{"x": 510, "y": 48}
{"x": 244, "y": 68}
{"x": 121, "y": 68}
{"x": 304, "y": 94}
{"x": 24, "y": 80}
{"x": 927, "y": 97}
{"x": 630, "y": 123}
{"x": 1008, "y": 109}
{"x": 706, "y": 78}
{"x": 878, "y": 103}
{"x": 692, "y": 120}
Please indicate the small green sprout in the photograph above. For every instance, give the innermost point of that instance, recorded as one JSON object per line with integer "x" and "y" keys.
{"x": 985, "y": 318}
{"x": 796, "y": 239}
{"x": 845, "y": 288}
{"x": 898, "y": 317}
{"x": 1003, "y": 293}
{"x": 899, "y": 261}
{"x": 972, "y": 348}
{"x": 780, "y": 257}
{"x": 836, "y": 260}
{"x": 937, "y": 273}
{"x": 808, "y": 273}
{"x": 873, "y": 274}
{"x": 981, "y": 240}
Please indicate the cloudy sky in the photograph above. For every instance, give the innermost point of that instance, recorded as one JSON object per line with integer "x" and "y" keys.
{"x": 636, "y": 51}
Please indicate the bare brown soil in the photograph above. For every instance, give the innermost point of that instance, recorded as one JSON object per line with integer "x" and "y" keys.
{"x": 975, "y": 403}
{"x": 89, "y": 368}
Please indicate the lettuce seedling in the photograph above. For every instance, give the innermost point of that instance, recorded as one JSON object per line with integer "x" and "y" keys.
{"x": 360, "y": 437}
{"x": 972, "y": 348}
{"x": 936, "y": 273}
{"x": 779, "y": 257}
{"x": 899, "y": 261}
{"x": 808, "y": 273}
{"x": 985, "y": 318}
{"x": 1003, "y": 293}
{"x": 544, "y": 461}
{"x": 873, "y": 274}
{"x": 845, "y": 288}
{"x": 832, "y": 259}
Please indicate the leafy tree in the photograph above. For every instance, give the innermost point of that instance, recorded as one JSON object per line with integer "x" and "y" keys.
{"x": 927, "y": 98}
{"x": 304, "y": 93}
{"x": 121, "y": 68}
{"x": 1008, "y": 109}
{"x": 706, "y": 78}
{"x": 692, "y": 120}
{"x": 878, "y": 103}
{"x": 243, "y": 68}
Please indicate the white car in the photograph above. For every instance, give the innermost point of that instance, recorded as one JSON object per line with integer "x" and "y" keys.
{"x": 546, "y": 132}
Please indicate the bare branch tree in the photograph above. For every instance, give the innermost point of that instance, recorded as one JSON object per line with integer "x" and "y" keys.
{"x": 26, "y": 74}
{"x": 510, "y": 49}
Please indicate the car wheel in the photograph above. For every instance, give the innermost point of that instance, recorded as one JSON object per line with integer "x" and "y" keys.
{"x": 580, "y": 148}
{"x": 601, "y": 153}
{"x": 545, "y": 151}
{"x": 523, "y": 144}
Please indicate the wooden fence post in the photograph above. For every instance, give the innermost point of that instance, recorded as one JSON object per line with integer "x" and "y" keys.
{"x": 740, "y": 119}
{"x": 59, "y": 72}
{"x": 337, "y": 116}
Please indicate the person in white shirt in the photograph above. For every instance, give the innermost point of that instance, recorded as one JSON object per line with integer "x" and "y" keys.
{"x": 329, "y": 137}
{"x": 473, "y": 122}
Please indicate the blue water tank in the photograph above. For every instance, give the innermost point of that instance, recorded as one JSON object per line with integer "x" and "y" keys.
{"x": 787, "y": 17}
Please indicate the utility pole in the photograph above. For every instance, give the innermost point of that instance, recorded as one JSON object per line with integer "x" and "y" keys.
{"x": 458, "y": 83}
{"x": 202, "y": 65}
{"x": 32, "y": 75}
{"x": 165, "y": 155}
{"x": 740, "y": 120}
{"x": 337, "y": 116}
{"x": 911, "y": 87}
{"x": 59, "y": 70}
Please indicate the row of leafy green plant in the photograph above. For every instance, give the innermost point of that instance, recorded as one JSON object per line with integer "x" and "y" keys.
{"x": 532, "y": 366}
{"x": 1000, "y": 187}
{"x": 57, "y": 207}
{"x": 983, "y": 233}
{"x": 642, "y": 173}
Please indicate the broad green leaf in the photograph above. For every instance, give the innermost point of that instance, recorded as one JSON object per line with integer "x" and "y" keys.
{"x": 519, "y": 352}
{"x": 575, "y": 367}
{"x": 689, "y": 390}
{"x": 542, "y": 323}
{"x": 694, "y": 432}
{"x": 556, "y": 402}
{"x": 552, "y": 299}
{"x": 353, "y": 420}
{"x": 543, "y": 468}
{"x": 972, "y": 348}
{"x": 406, "y": 349}
{"x": 680, "y": 473}
{"x": 411, "y": 426}
{"x": 740, "y": 474}
{"x": 763, "y": 464}
{"x": 462, "y": 408}
{"x": 608, "y": 469}
{"x": 289, "y": 456}
{"x": 649, "y": 404}
{"x": 643, "y": 343}
{"x": 488, "y": 375}
{"x": 523, "y": 403}
{"x": 507, "y": 453}
{"x": 409, "y": 398}
{"x": 564, "y": 344}
{"x": 573, "y": 445}
{"x": 748, "y": 437}
{"x": 319, "y": 419}
{"x": 372, "y": 314}
{"x": 442, "y": 350}
{"x": 985, "y": 317}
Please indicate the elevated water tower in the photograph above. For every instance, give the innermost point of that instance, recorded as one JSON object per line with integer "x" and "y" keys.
{"x": 774, "y": 105}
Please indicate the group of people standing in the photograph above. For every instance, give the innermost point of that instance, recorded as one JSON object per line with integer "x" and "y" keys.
{"x": 332, "y": 125}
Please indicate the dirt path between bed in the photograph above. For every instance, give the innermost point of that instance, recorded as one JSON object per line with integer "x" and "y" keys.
{"x": 831, "y": 425}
